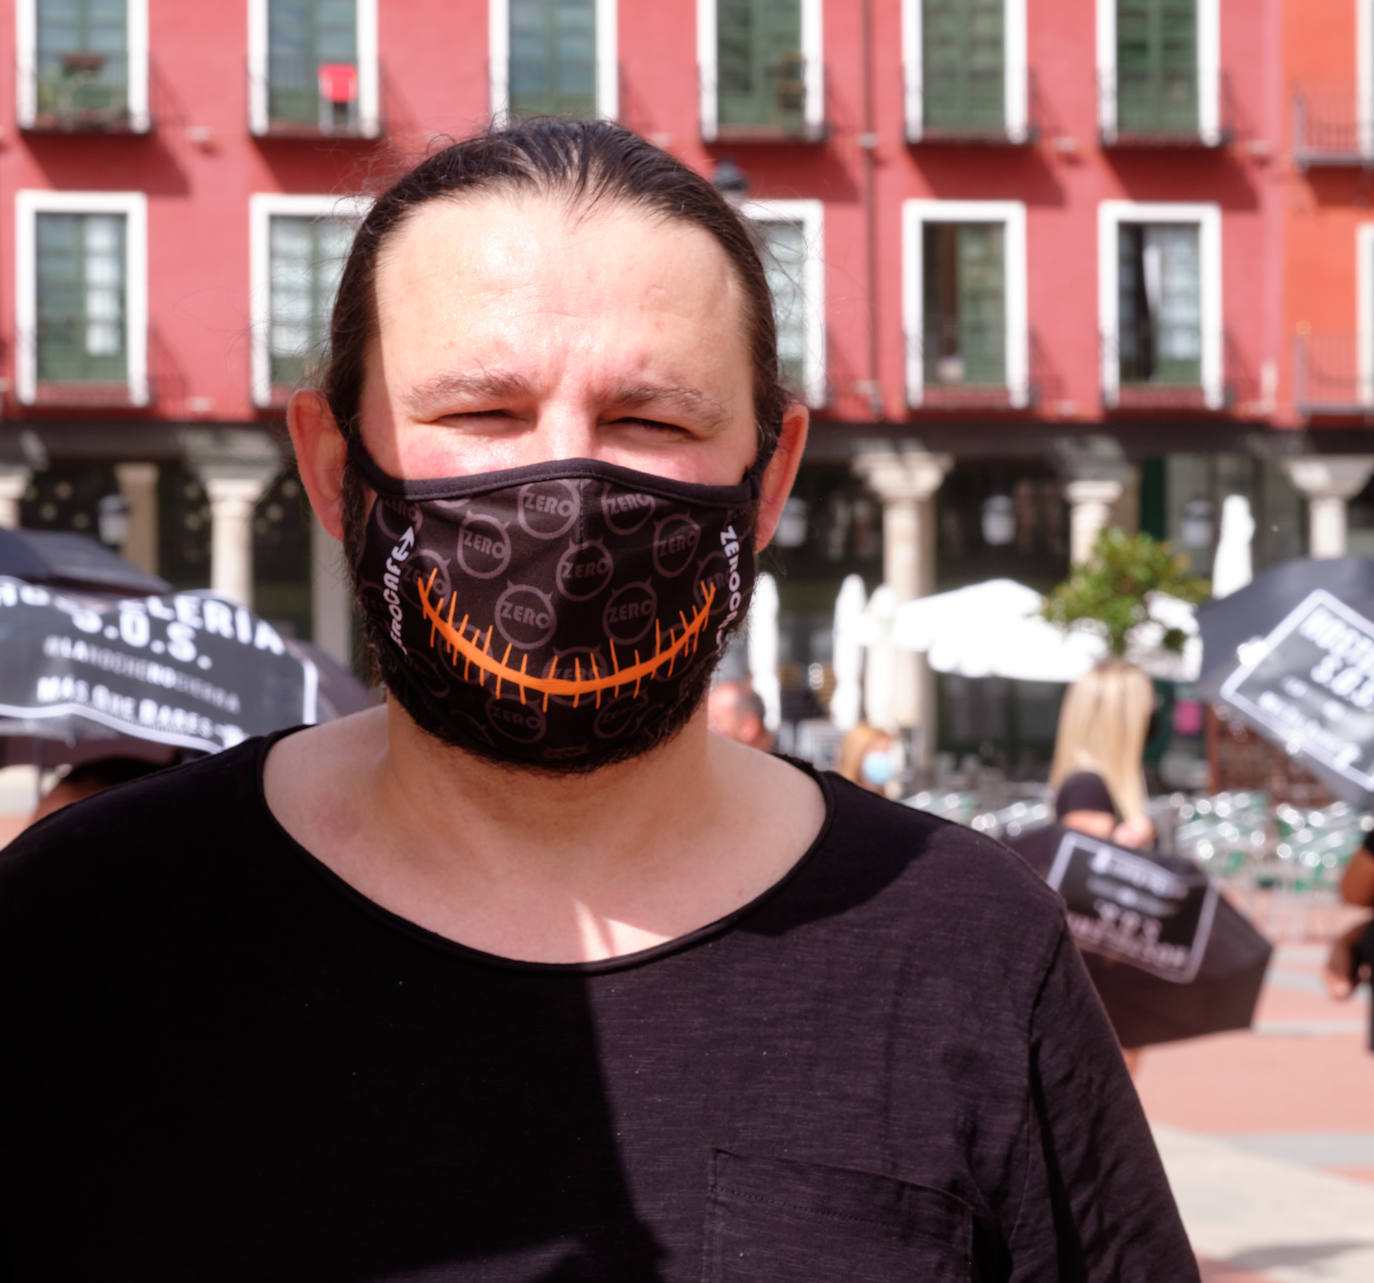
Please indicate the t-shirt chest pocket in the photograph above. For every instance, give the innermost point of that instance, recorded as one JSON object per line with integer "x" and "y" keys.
{"x": 771, "y": 1220}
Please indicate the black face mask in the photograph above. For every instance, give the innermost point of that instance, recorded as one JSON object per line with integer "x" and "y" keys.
{"x": 564, "y": 615}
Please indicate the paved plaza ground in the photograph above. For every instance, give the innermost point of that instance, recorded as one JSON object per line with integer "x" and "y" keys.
{"x": 1268, "y": 1135}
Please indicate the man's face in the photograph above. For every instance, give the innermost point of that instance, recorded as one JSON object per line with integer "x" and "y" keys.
{"x": 513, "y": 331}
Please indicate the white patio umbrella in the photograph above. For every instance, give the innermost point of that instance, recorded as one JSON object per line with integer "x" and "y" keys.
{"x": 848, "y": 656}
{"x": 880, "y": 676}
{"x": 763, "y": 648}
{"x": 994, "y": 629}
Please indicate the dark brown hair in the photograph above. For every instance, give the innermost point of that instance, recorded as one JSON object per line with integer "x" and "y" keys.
{"x": 587, "y": 163}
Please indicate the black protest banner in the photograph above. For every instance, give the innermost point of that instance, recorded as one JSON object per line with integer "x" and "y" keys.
{"x": 188, "y": 669}
{"x": 1132, "y": 908}
{"x": 1309, "y": 687}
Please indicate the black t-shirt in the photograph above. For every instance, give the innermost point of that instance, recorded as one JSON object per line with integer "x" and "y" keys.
{"x": 221, "y": 1062}
{"x": 1084, "y": 791}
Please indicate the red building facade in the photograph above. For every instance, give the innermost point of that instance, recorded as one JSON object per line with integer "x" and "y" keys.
{"x": 1032, "y": 258}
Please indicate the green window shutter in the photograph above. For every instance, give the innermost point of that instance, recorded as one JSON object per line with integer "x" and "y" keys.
{"x": 81, "y": 298}
{"x": 1160, "y": 304}
{"x": 1156, "y": 67}
{"x": 306, "y": 257}
{"x": 783, "y": 246}
{"x": 963, "y": 66}
{"x": 302, "y": 34}
{"x": 553, "y": 58}
{"x": 82, "y": 58}
{"x": 760, "y": 71}
{"x": 964, "y": 270}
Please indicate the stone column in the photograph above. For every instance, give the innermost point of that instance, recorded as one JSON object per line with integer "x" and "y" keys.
{"x": 906, "y": 481}
{"x": 1328, "y": 483}
{"x": 331, "y": 597}
{"x": 138, "y": 485}
{"x": 13, "y": 482}
{"x": 1090, "y": 512}
{"x": 232, "y": 500}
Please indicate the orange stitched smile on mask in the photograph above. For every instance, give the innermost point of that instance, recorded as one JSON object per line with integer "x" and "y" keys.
{"x": 476, "y": 653}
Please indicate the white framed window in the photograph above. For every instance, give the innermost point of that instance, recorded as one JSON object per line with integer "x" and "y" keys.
{"x": 554, "y": 58}
{"x": 761, "y": 66}
{"x": 312, "y": 65}
{"x": 81, "y": 305}
{"x": 82, "y": 62}
{"x": 979, "y": 81}
{"x": 1159, "y": 297}
{"x": 1364, "y": 312}
{"x": 1153, "y": 79}
{"x": 964, "y": 298}
{"x": 297, "y": 249}
{"x": 792, "y": 242}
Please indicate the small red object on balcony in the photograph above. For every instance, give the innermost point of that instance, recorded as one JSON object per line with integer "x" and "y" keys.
{"x": 338, "y": 82}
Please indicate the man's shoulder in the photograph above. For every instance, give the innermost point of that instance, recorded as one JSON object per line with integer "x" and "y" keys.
{"x": 933, "y": 855}
{"x": 163, "y": 819}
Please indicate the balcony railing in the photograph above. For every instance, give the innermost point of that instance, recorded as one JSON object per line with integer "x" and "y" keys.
{"x": 78, "y": 92}
{"x": 1144, "y": 381}
{"x": 980, "y": 119}
{"x": 304, "y": 99}
{"x": 1332, "y": 375}
{"x": 1331, "y": 126}
{"x": 1142, "y": 112}
{"x": 965, "y": 367}
{"x": 88, "y": 381}
{"x": 776, "y": 113}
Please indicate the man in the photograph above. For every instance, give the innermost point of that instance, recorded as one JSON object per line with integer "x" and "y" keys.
{"x": 735, "y": 709}
{"x": 526, "y": 976}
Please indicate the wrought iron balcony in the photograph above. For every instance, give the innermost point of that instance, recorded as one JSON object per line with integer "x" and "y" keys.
{"x": 1140, "y": 111}
{"x": 964, "y": 366}
{"x": 1331, "y": 126}
{"x": 776, "y": 112}
{"x": 78, "y": 378}
{"x": 1332, "y": 375}
{"x": 300, "y": 98}
{"x": 1144, "y": 380}
{"x": 79, "y": 92}
{"x": 977, "y": 118}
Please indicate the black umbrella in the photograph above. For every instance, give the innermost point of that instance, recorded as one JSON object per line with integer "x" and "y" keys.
{"x": 1292, "y": 654}
{"x": 87, "y": 676}
{"x": 63, "y": 559}
{"x": 1169, "y": 954}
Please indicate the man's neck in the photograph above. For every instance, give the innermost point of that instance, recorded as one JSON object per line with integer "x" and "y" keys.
{"x": 563, "y": 830}
{"x": 536, "y": 867}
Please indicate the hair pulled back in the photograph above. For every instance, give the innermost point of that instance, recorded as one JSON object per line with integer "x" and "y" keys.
{"x": 586, "y": 163}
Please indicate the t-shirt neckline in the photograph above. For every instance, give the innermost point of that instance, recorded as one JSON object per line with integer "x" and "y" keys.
{"x": 456, "y": 949}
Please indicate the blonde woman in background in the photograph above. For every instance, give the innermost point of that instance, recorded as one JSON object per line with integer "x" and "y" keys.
{"x": 868, "y": 757}
{"x": 1098, "y": 772}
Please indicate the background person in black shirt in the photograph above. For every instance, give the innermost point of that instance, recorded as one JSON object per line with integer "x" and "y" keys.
{"x": 432, "y": 993}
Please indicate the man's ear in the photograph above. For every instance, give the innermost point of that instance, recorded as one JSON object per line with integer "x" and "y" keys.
{"x": 781, "y": 471}
{"x": 320, "y": 456}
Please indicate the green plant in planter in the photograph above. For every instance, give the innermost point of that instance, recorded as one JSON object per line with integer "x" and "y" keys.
{"x": 1111, "y": 590}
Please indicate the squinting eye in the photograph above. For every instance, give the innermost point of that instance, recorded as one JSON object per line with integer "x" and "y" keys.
{"x": 652, "y": 423}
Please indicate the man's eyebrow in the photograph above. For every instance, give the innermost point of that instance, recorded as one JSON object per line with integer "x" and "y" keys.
{"x": 432, "y": 392}
{"x": 706, "y": 409}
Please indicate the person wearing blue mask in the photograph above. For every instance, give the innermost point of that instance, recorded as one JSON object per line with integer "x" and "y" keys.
{"x": 525, "y": 975}
{"x": 868, "y": 757}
